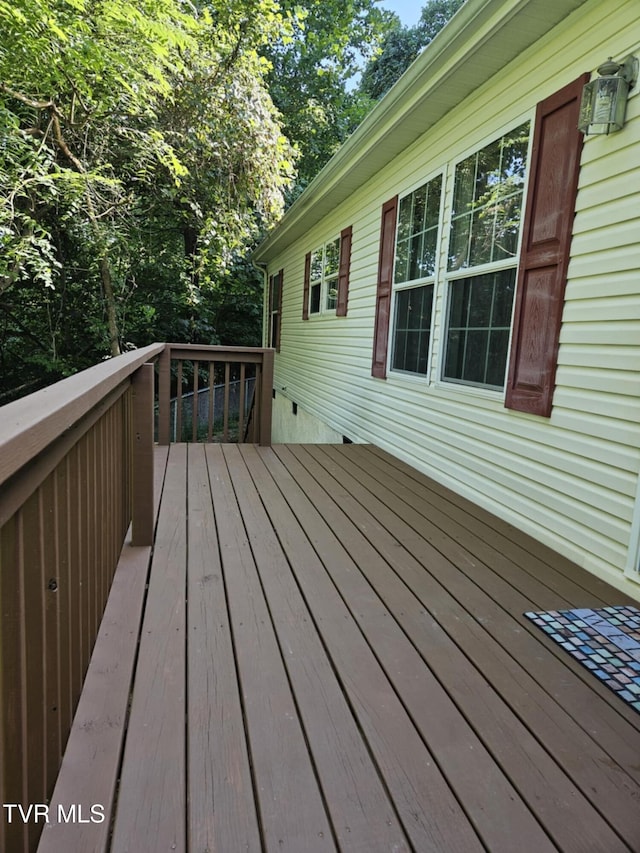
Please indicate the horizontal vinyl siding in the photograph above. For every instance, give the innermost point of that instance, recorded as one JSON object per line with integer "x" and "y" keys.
{"x": 569, "y": 480}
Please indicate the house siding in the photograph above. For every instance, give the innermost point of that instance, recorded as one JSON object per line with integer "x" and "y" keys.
{"x": 569, "y": 480}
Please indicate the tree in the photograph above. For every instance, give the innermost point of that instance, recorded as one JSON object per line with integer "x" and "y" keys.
{"x": 313, "y": 66}
{"x": 403, "y": 44}
{"x": 140, "y": 148}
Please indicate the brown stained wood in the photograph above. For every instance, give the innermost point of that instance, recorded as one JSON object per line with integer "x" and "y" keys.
{"x": 63, "y": 612}
{"x": 467, "y": 765}
{"x": 194, "y": 402}
{"x": 292, "y": 813}
{"x": 551, "y": 794}
{"x": 151, "y": 807}
{"x": 73, "y": 573}
{"x": 358, "y": 804}
{"x": 241, "y": 403}
{"x": 30, "y": 565}
{"x": 512, "y": 542}
{"x": 164, "y": 396}
{"x": 53, "y": 734}
{"x": 424, "y": 802}
{"x": 222, "y": 811}
{"x": 142, "y": 494}
{"x": 265, "y": 398}
{"x": 90, "y": 768}
{"x": 211, "y": 400}
{"x": 13, "y": 734}
{"x": 225, "y": 411}
{"x": 16, "y": 491}
{"x": 188, "y": 352}
{"x": 31, "y": 424}
{"x": 584, "y": 697}
{"x": 178, "y": 421}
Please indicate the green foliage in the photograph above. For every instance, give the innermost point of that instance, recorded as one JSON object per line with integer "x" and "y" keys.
{"x": 139, "y": 151}
{"x": 403, "y": 44}
{"x": 313, "y": 65}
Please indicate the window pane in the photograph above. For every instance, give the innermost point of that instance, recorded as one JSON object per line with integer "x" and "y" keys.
{"x": 332, "y": 293}
{"x": 419, "y": 205}
{"x": 412, "y": 326}
{"x": 490, "y": 185}
{"x": 404, "y": 218}
{"x": 429, "y": 247}
{"x": 418, "y": 222}
{"x": 332, "y": 258}
{"x": 275, "y": 292}
{"x": 316, "y": 265}
{"x": 477, "y": 337}
{"x": 432, "y": 216}
{"x": 459, "y": 243}
{"x": 463, "y": 186}
{"x": 402, "y": 260}
{"x": 314, "y": 302}
{"x": 415, "y": 258}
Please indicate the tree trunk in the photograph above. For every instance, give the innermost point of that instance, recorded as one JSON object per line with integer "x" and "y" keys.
{"x": 107, "y": 287}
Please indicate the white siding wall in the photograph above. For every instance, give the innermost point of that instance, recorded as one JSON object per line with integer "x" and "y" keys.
{"x": 569, "y": 480}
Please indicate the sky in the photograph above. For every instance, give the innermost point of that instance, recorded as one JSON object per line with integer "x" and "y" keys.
{"x": 407, "y": 10}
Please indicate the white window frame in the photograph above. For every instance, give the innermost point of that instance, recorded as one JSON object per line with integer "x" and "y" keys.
{"x": 449, "y": 277}
{"x": 398, "y": 287}
{"x": 322, "y": 281}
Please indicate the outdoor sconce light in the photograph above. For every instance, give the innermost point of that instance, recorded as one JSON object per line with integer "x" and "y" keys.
{"x": 604, "y": 100}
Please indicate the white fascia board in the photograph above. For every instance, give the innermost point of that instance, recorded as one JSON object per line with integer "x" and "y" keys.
{"x": 480, "y": 40}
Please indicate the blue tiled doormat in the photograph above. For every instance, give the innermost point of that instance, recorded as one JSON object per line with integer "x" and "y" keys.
{"x": 606, "y": 641}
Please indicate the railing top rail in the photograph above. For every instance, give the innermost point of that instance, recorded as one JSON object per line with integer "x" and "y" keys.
{"x": 30, "y": 424}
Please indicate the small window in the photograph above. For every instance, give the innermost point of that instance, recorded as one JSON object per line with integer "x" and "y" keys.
{"x": 323, "y": 277}
{"x": 414, "y": 273}
{"x": 275, "y": 303}
{"x": 484, "y": 233}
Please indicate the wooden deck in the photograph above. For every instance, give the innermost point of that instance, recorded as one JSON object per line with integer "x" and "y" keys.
{"x": 333, "y": 656}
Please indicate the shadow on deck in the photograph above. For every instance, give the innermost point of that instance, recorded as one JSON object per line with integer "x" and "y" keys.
{"x": 333, "y": 656}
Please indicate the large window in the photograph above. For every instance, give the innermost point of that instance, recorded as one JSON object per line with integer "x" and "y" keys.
{"x": 483, "y": 245}
{"x": 323, "y": 277}
{"x": 414, "y": 276}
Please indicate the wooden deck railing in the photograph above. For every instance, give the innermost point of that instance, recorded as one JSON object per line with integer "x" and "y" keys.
{"x": 250, "y": 419}
{"x": 76, "y": 474}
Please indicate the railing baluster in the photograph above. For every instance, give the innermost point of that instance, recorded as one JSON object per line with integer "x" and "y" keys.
{"x": 142, "y": 498}
{"x": 266, "y": 387}
{"x": 164, "y": 396}
{"x": 241, "y": 406}
{"x": 225, "y": 416}
{"x": 212, "y": 394}
{"x": 194, "y": 408}
{"x": 178, "y": 435}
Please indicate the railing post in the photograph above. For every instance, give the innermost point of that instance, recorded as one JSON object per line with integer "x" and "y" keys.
{"x": 164, "y": 396}
{"x": 142, "y": 494}
{"x": 266, "y": 397}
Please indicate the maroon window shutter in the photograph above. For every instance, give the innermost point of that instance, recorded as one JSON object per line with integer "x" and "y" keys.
{"x": 305, "y": 292}
{"x": 278, "y": 308}
{"x": 343, "y": 274}
{"x": 383, "y": 295}
{"x": 546, "y": 244}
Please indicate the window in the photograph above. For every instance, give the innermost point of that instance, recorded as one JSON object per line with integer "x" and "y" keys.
{"x": 323, "y": 277}
{"x": 414, "y": 276}
{"x": 275, "y": 309}
{"x": 482, "y": 260}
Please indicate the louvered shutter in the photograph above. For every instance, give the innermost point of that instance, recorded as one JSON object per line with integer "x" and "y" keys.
{"x": 279, "y": 310}
{"x": 383, "y": 295}
{"x": 343, "y": 274}
{"x": 305, "y": 292}
{"x": 546, "y": 244}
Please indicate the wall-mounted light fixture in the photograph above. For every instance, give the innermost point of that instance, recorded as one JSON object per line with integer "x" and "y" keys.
{"x": 604, "y": 100}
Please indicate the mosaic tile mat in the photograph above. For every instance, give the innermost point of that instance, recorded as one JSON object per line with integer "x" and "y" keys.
{"x": 605, "y": 641}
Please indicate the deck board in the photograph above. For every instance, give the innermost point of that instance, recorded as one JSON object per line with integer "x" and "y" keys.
{"x": 333, "y": 657}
